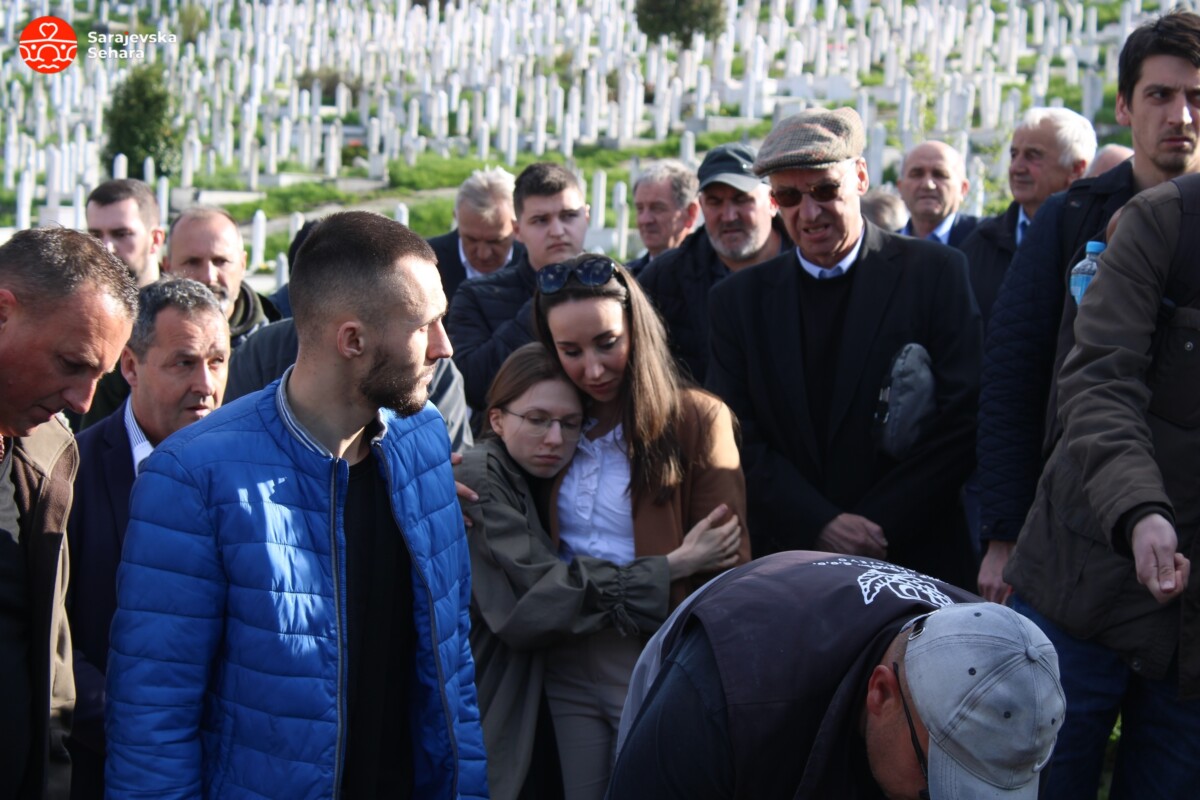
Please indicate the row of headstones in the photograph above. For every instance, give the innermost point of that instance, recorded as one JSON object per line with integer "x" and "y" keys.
{"x": 622, "y": 124}
{"x": 494, "y": 109}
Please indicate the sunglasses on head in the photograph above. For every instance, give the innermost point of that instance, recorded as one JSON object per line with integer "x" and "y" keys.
{"x": 788, "y": 196}
{"x": 590, "y": 272}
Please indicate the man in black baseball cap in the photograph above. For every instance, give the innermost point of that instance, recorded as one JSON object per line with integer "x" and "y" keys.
{"x": 803, "y": 345}
{"x": 741, "y": 229}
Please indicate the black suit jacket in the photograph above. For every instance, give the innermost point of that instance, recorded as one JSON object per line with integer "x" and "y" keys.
{"x": 906, "y": 290}
{"x": 989, "y": 250}
{"x": 96, "y": 531}
{"x": 450, "y": 265}
{"x": 961, "y": 229}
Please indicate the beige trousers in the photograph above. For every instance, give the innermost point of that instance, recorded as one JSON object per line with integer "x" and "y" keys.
{"x": 586, "y": 682}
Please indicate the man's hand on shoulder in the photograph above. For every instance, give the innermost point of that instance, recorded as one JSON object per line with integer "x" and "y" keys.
{"x": 1161, "y": 568}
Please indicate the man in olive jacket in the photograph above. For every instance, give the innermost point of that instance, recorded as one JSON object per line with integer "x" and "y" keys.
{"x": 1103, "y": 560}
{"x": 66, "y": 306}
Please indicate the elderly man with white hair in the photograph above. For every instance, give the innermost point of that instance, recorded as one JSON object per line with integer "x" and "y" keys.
{"x": 482, "y": 240}
{"x": 1051, "y": 148}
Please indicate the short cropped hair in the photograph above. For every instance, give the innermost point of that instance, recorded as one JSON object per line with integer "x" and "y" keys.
{"x": 115, "y": 191}
{"x": 349, "y": 261}
{"x": 201, "y": 212}
{"x": 188, "y": 296}
{"x": 1174, "y": 34}
{"x": 683, "y": 181}
{"x": 542, "y": 179}
{"x": 42, "y": 265}
{"x": 1075, "y": 136}
{"x": 487, "y": 192}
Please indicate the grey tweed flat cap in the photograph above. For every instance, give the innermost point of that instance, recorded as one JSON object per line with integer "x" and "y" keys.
{"x": 812, "y": 139}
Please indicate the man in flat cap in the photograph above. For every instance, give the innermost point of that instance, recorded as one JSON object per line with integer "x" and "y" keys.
{"x": 741, "y": 229}
{"x": 805, "y": 345}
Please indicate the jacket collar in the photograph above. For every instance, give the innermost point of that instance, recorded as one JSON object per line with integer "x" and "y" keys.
{"x": 377, "y": 428}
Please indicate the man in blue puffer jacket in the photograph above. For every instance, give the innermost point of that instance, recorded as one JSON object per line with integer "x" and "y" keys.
{"x": 292, "y": 599}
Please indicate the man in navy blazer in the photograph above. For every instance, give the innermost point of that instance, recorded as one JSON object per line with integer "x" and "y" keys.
{"x": 483, "y": 240}
{"x": 933, "y": 183}
{"x": 802, "y": 344}
{"x": 176, "y": 366}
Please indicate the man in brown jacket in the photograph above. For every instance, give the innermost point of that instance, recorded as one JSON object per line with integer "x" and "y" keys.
{"x": 1103, "y": 561}
{"x": 66, "y": 309}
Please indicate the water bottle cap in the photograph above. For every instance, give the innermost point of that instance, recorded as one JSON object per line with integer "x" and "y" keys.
{"x": 1095, "y": 248}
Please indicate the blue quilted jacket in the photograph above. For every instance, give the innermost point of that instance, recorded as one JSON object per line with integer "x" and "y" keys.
{"x": 227, "y": 673}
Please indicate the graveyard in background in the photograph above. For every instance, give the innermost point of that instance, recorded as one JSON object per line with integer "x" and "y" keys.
{"x": 287, "y": 110}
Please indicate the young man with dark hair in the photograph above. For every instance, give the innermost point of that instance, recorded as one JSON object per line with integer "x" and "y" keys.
{"x": 1088, "y": 417}
{"x": 66, "y": 307}
{"x": 1030, "y": 330}
{"x": 292, "y": 602}
{"x": 124, "y": 214}
{"x": 492, "y": 316}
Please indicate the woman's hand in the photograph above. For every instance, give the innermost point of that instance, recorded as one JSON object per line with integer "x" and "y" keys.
{"x": 711, "y": 545}
{"x": 464, "y": 492}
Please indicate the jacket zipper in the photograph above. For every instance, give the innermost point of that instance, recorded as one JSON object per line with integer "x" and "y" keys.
{"x": 337, "y": 607}
{"x": 433, "y": 635}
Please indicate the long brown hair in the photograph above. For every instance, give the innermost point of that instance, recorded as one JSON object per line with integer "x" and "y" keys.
{"x": 649, "y": 405}
{"x": 525, "y": 367}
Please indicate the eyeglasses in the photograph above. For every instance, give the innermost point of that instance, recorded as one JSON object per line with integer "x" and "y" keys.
{"x": 537, "y": 424}
{"x": 591, "y": 272}
{"x": 912, "y": 730}
{"x": 789, "y": 196}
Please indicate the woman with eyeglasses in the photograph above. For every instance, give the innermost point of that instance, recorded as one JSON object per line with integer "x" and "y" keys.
{"x": 524, "y": 597}
{"x": 657, "y": 456}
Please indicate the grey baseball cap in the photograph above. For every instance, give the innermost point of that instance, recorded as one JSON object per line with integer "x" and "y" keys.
{"x": 732, "y": 164}
{"x": 984, "y": 680}
{"x": 813, "y": 139}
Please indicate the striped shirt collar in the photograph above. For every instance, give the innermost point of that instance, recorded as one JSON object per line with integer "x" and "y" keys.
{"x": 139, "y": 446}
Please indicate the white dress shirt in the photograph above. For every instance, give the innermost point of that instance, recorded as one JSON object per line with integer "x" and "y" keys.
{"x": 595, "y": 511}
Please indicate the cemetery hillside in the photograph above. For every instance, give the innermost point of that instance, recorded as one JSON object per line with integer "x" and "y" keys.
{"x": 286, "y": 110}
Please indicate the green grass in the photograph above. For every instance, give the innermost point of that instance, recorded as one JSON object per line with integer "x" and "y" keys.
{"x": 276, "y": 243}
{"x": 1072, "y": 96}
{"x": 227, "y": 178}
{"x": 431, "y": 217}
{"x": 284, "y": 200}
{"x": 8, "y": 208}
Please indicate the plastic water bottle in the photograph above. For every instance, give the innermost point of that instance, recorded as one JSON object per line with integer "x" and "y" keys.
{"x": 1083, "y": 272}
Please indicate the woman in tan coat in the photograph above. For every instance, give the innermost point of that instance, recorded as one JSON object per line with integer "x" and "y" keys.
{"x": 656, "y": 457}
{"x": 525, "y": 598}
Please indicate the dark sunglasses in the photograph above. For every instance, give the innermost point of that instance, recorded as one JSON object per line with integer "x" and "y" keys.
{"x": 591, "y": 272}
{"x": 789, "y": 196}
